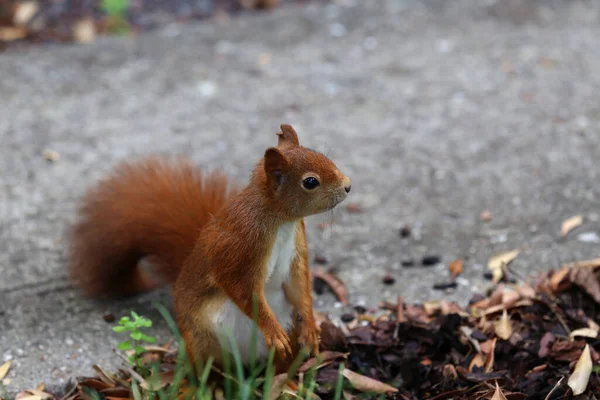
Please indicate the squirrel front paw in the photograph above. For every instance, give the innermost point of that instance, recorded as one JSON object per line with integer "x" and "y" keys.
{"x": 278, "y": 338}
{"x": 309, "y": 336}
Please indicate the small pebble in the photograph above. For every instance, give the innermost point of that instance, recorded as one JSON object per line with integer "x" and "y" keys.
{"x": 389, "y": 280}
{"x": 431, "y": 260}
{"x": 360, "y": 309}
{"x": 108, "y": 317}
{"x": 319, "y": 286}
{"x": 408, "y": 262}
{"x": 353, "y": 208}
{"x": 405, "y": 231}
{"x": 347, "y": 317}
{"x": 445, "y": 285}
{"x": 588, "y": 237}
{"x": 320, "y": 260}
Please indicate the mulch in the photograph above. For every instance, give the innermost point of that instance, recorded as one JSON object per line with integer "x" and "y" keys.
{"x": 524, "y": 340}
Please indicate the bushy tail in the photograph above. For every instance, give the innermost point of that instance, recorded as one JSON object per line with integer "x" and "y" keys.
{"x": 150, "y": 210}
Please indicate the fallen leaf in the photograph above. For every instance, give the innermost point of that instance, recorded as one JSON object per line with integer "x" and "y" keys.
{"x": 503, "y": 328}
{"x": 586, "y": 279}
{"x": 278, "y": 385}
{"x": 489, "y": 360}
{"x": 366, "y": 384}
{"x": 24, "y": 12}
{"x": 432, "y": 307}
{"x": 332, "y": 337}
{"x": 563, "y": 350}
{"x": 164, "y": 379}
{"x": 510, "y": 298}
{"x": 580, "y": 377}
{"x": 321, "y": 360}
{"x": 593, "y": 263}
{"x": 337, "y": 286}
{"x": 546, "y": 344}
{"x": 476, "y": 362}
{"x": 583, "y": 332}
{"x": 498, "y": 395}
{"x": 496, "y": 263}
{"x": 84, "y": 30}
{"x": 570, "y": 223}
{"x": 10, "y": 33}
{"x": 456, "y": 268}
{"x": 4, "y": 369}
{"x": 557, "y": 279}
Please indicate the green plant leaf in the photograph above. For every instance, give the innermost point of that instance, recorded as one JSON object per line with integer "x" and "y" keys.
{"x": 148, "y": 339}
{"x": 119, "y": 329}
{"x": 137, "y": 395}
{"x": 136, "y": 335}
{"x": 124, "y": 346}
{"x": 144, "y": 322}
{"x": 123, "y": 320}
{"x": 139, "y": 349}
{"x": 135, "y": 315}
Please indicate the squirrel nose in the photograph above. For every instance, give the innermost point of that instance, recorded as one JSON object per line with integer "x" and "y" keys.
{"x": 348, "y": 187}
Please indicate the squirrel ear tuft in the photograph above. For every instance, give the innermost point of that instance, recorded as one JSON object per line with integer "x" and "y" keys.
{"x": 287, "y": 136}
{"x": 276, "y": 165}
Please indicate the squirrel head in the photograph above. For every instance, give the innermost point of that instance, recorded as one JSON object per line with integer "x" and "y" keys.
{"x": 299, "y": 181}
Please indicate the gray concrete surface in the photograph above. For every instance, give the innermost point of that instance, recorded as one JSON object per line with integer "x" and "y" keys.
{"x": 438, "y": 110}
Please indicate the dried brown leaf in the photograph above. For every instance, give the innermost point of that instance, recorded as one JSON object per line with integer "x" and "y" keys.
{"x": 583, "y": 332}
{"x": 498, "y": 395}
{"x": 503, "y": 327}
{"x": 557, "y": 278}
{"x": 500, "y": 260}
{"x": 580, "y": 377}
{"x": 570, "y": 223}
{"x": 24, "y": 12}
{"x": 4, "y": 369}
{"x": 366, "y": 384}
{"x": 432, "y": 307}
{"x": 321, "y": 360}
{"x": 456, "y": 268}
{"x": 10, "y": 33}
{"x": 510, "y": 298}
{"x": 476, "y": 362}
{"x": 164, "y": 379}
{"x": 337, "y": 286}
{"x": 489, "y": 359}
{"x": 84, "y": 30}
{"x": 278, "y": 385}
{"x": 593, "y": 263}
{"x": 586, "y": 279}
{"x": 103, "y": 376}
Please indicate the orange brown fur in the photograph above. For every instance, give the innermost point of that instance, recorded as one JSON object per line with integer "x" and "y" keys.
{"x": 214, "y": 245}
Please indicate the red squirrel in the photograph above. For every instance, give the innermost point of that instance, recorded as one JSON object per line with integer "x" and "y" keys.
{"x": 220, "y": 246}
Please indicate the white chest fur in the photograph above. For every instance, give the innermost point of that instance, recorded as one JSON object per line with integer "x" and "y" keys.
{"x": 230, "y": 319}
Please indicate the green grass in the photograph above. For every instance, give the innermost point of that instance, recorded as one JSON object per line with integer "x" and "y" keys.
{"x": 240, "y": 382}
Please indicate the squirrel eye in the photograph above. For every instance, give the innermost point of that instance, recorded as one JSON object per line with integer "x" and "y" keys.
{"x": 310, "y": 183}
